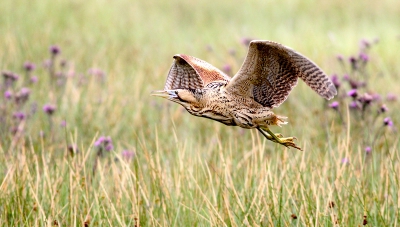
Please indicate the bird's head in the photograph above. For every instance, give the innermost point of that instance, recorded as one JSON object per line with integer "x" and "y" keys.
{"x": 190, "y": 99}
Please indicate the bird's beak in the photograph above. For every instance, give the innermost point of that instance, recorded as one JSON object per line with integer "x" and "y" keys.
{"x": 168, "y": 94}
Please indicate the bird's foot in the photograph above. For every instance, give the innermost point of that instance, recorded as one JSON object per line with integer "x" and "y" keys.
{"x": 278, "y": 138}
{"x": 287, "y": 142}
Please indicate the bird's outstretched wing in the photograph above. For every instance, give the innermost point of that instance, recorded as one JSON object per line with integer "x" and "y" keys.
{"x": 188, "y": 72}
{"x": 270, "y": 72}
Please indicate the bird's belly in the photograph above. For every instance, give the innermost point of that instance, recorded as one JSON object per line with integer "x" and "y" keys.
{"x": 242, "y": 117}
{"x": 226, "y": 120}
{"x": 231, "y": 119}
{"x": 253, "y": 118}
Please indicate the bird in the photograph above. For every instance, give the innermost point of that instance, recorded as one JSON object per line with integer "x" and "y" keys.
{"x": 268, "y": 74}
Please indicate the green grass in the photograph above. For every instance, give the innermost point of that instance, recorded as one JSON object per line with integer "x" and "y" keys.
{"x": 191, "y": 171}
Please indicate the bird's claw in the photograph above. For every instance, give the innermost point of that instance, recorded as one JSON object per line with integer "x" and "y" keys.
{"x": 278, "y": 138}
{"x": 287, "y": 142}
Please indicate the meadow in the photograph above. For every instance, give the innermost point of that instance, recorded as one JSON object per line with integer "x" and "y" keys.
{"x": 82, "y": 142}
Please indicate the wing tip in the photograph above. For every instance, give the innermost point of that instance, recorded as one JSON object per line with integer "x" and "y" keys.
{"x": 331, "y": 92}
{"x": 264, "y": 42}
{"x": 178, "y": 56}
{"x": 181, "y": 58}
{"x": 261, "y": 41}
{"x": 261, "y": 44}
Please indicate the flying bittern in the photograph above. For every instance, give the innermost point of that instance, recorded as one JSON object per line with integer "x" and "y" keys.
{"x": 264, "y": 81}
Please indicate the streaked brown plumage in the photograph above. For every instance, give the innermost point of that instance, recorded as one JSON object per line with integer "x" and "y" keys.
{"x": 264, "y": 81}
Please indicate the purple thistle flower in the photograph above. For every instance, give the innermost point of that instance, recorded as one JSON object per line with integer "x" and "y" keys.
{"x": 391, "y": 97}
{"x": 6, "y": 74}
{"x": 353, "y": 62}
{"x": 63, "y": 123}
{"x": 54, "y": 50}
{"x": 29, "y": 66}
{"x": 339, "y": 57}
{"x": 14, "y": 77}
{"x": 49, "y": 109}
{"x": 25, "y": 91}
{"x": 334, "y": 105}
{"x": 34, "y": 79}
{"x": 383, "y": 109}
{"x": 354, "y": 105}
{"x": 335, "y": 80}
{"x": 376, "y": 97}
{"x": 368, "y": 150}
{"x": 364, "y": 44}
{"x": 107, "y": 140}
{"x": 345, "y": 161}
{"x": 127, "y": 154}
{"x": 10, "y": 76}
{"x": 346, "y": 77}
{"x": 99, "y": 141}
{"x": 8, "y": 95}
{"x": 19, "y": 116}
{"x": 109, "y": 147}
{"x": 366, "y": 99}
{"x": 102, "y": 140}
{"x": 364, "y": 57}
{"x": 23, "y": 95}
{"x": 388, "y": 122}
{"x": 355, "y": 84}
{"x": 103, "y": 143}
{"x": 352, "y": 93}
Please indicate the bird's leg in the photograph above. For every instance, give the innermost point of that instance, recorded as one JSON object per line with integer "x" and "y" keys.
{"x": 278, "y": 138}
{"x": 269, "y": 137}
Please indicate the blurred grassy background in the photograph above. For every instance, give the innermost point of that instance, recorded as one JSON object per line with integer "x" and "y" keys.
{"x": 134, "y": 41}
